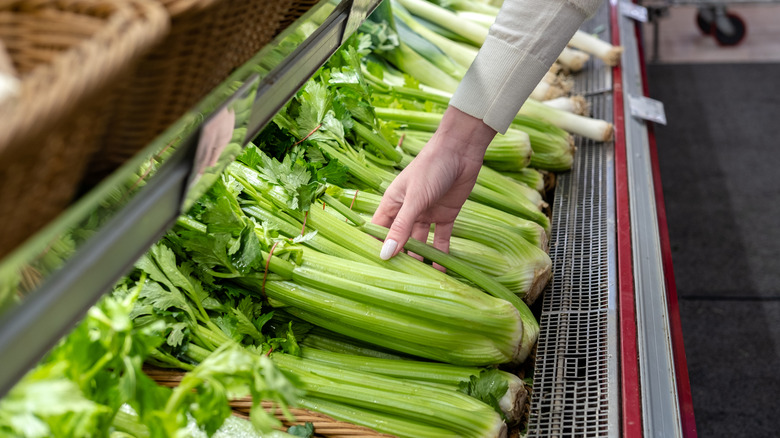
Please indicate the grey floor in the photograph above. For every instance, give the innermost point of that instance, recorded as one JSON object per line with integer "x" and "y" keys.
{"x": 720, "y": 168}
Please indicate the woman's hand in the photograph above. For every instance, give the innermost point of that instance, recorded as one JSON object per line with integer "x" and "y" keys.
{"x": 434, "y": 186}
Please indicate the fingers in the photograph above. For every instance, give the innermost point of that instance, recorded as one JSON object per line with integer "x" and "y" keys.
{"x": 385, "y": 215}
{"x": 441, "y": 236}
{"x": 420, "y": 231}
{"x": 387, "y": 211}
{"x": 441, "y": 239}
{"x": 400, "y": 230}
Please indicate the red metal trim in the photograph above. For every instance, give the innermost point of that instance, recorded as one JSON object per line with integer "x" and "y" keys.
{"x": 684, "y": 393}
{"x": 631, "y": 419}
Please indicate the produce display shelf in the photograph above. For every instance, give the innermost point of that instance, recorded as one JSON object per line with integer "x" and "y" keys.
{"x": 131, "y": 220}
{"x": 576, "y": 385}
{"x": 609, "y": 361}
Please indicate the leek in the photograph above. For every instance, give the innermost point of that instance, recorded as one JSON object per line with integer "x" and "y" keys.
{"x": 483, "y": 19}
{"x": 593, "y": 45}
{"x": 595, "y": 129}
{"x": 574, "y": 104}
{"x": 573, "y": 60}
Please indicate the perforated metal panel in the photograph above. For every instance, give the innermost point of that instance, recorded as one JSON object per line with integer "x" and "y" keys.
{"x": 575, "y": 382}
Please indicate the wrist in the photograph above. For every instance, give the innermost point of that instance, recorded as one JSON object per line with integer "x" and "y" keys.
{"x": 464, "y": 134}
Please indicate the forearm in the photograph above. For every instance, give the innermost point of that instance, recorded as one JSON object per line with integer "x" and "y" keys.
{"x": 525, "y": 40}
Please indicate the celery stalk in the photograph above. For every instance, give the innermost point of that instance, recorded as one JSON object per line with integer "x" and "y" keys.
{"x": 326, "y": 340}
{"x": 423, "y": 70}
{"x": 473, "y": 356}
{"x": 399, "y": 405}
{"x": 380, "y": 422}
{"x": 434, "y": 304}
{"x": 493, "y": 180}
{"x": 431, "y": 373}
{"x": 460, "y": 53}
{"x": 473, "y": 214}
{"x": 510, "y": 152}
{"x": 376, "y": 141}
{"x": 316, "y": 242}
{"x": 487, "y": 283}
{"x": 409, "y": 309}
{"x": 396, "y": 326}
{"x": 519, "y": 206}
{"x": 473, "y": 32}
{"x": 530, "y": 177}
{"x": 430, "y": 51}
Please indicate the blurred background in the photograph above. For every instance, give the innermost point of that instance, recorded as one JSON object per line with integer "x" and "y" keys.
{"x": 718, "y": 157}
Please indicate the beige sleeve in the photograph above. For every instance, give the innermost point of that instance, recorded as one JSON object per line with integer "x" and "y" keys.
{"x": 523, "y": 43}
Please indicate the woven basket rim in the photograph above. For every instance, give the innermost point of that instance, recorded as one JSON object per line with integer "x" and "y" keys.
{"x": 53, "y": 91}
{"x": 182, "y": 7}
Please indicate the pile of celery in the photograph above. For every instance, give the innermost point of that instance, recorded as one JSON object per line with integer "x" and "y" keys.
{"x": 211, "y": 277}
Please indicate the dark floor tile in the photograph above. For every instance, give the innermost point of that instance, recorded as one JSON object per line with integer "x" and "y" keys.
{"x": 733, "y": 362}
{"x": 719, "y": 157}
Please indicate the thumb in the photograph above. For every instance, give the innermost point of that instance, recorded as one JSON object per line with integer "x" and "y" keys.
{"x": 400, "y": 230}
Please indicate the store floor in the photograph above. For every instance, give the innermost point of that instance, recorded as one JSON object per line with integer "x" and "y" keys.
{"x": 719, "y": 157}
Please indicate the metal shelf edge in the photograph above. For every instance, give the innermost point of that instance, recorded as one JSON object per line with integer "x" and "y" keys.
{"x": 656, "y": 363}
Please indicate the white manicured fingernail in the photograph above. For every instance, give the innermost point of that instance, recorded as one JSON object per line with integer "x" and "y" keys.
{"x": 388, "y": 249}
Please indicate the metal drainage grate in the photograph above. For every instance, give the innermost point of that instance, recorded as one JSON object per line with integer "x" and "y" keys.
{"x": 575, "y": 382}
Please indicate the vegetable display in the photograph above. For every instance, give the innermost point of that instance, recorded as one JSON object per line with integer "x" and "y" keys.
{"x": 271, "y": 285}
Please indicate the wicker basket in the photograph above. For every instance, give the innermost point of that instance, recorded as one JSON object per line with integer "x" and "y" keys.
{"x": 296, "y": 9}
{"x": 324, "y": 426}
{"x": 67, "y": 55}
{"x": 208, "y": 40}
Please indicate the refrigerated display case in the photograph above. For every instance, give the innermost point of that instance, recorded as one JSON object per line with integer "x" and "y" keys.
{"x": 610, "y": 358}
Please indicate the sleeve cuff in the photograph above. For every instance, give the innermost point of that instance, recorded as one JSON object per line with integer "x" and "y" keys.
{"x": 494, "y": 88}
{"x": 522, "y": 44}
